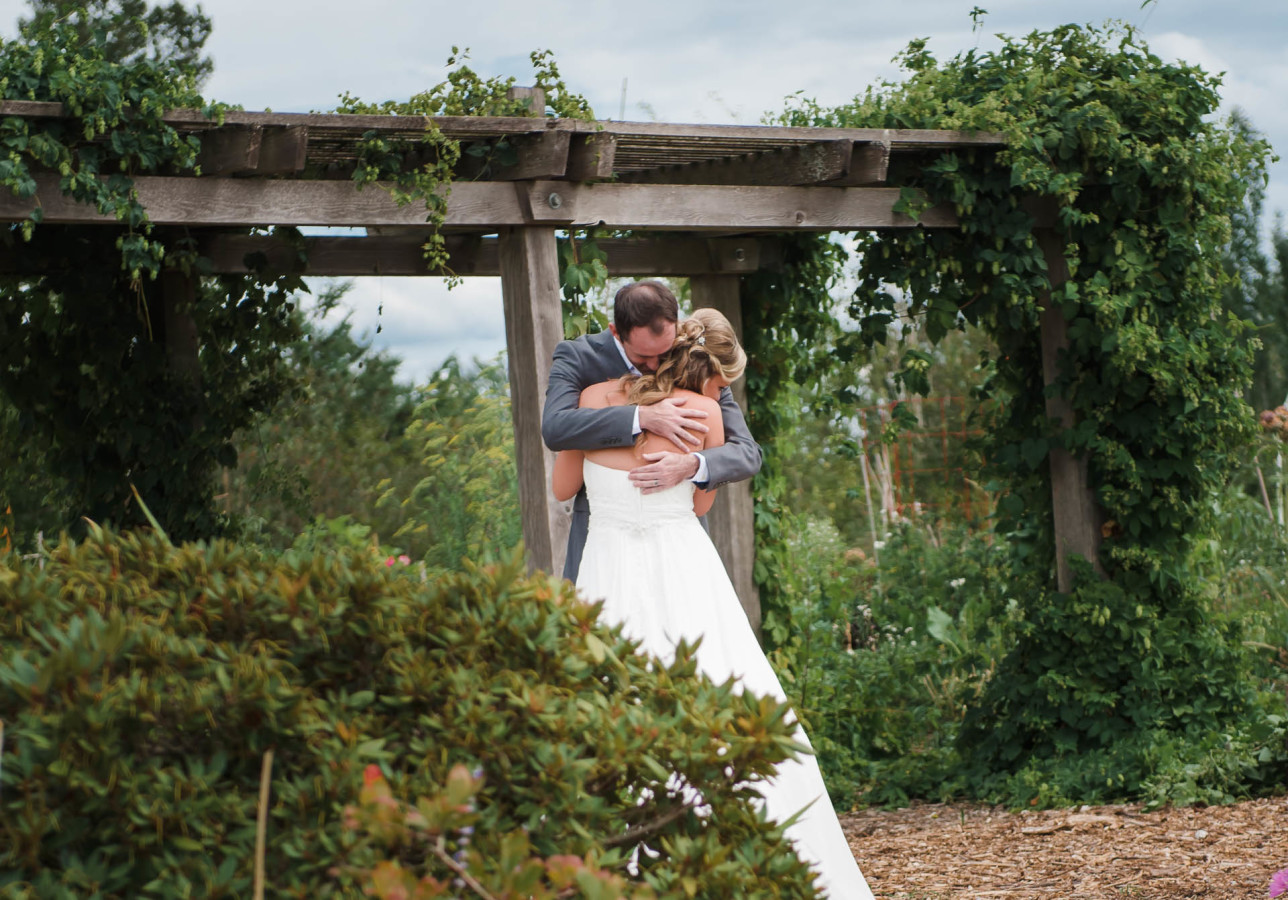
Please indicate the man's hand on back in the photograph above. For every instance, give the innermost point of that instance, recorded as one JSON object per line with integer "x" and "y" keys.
{"x": 663, "y": 470}
{"x": 671, "y": 419}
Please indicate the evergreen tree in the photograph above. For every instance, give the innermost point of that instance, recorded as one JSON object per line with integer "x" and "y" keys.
{"x": 134, "y": 31}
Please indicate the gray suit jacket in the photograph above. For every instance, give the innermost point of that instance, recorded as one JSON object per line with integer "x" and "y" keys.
{"x": 594, "y": 358}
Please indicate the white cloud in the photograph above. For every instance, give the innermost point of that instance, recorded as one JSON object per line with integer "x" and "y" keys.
{"x": 422, "y": 322}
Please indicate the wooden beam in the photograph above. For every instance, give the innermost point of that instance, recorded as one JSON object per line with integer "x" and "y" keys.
{"x": 732, "y": 516}
{"x": 591, "y": 157}
{"x": 283, "y": 150}
{"x": 471, "y": 255}
{"x": 230, "y": 151}
{"x": 458, "y": 126}
{"x": 533, "y": 325}
{"x": 535, "y": 96}
{"x": 253, "y": 149}
{"x": 1077, "y": 515}
{"x": 825, "y": 161}
{"x": 542, "y": 155}
{"x": 720, "y": 207}
{"x": 869, "y": 165}
{"x": 200, "y": 202}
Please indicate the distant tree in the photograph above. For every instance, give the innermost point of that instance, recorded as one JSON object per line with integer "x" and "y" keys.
{"x": 1260, "y": 294}
{"x": 126, "y": 370}
{"x": 323, "y": 450}
{"x": 135, "y": 31}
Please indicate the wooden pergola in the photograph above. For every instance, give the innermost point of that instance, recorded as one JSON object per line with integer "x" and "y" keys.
{"x": 715, "y": 195}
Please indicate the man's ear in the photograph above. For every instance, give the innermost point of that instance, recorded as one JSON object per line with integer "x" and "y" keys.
{"x": 612, "y": 329}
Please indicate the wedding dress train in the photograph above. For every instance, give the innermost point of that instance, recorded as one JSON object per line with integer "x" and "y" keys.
{"x": 649, "y": 559}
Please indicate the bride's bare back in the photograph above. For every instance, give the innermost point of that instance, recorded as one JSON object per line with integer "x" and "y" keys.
{"x": 567, "y": 478}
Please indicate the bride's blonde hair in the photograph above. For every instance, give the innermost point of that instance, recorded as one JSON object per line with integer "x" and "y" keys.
{"x": 705, "y": 346}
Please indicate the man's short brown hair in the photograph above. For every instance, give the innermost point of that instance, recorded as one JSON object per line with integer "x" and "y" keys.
{"x": 644, "y": 304}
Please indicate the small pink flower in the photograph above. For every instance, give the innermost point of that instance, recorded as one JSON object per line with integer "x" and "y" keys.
{"x": 389, "y": 563}
{"x": 1279, "y": 883}
{"x": 404, "y": 559}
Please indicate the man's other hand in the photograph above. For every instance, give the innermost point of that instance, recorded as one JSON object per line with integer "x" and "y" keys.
{"x": 671, "y": 419}
{"x": 664, "y": 470}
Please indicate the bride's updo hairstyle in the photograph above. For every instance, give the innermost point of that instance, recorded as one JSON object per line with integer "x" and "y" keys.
{"x": 704, "y": 347}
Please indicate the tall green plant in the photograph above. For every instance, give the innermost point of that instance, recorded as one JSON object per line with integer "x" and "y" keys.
{"x": 466, "y": 501}
{"x": 1144, "y": 181}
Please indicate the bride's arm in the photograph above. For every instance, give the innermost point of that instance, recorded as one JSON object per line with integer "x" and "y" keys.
{"x": 702, "y": 500}
{"x": 566, "y": 479}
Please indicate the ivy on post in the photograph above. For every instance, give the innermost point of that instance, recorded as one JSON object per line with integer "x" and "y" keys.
{"x": 1118, "y": 312}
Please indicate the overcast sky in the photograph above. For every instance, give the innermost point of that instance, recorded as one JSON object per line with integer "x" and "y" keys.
{"x": 681, "y": 61}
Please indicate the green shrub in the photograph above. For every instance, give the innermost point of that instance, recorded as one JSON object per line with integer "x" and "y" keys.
{"x": 141, "y": 683}
{"x": 885, "y": 661}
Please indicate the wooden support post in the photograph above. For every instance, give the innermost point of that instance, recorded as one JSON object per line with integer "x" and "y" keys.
{"x": 182, "y": 342}
{"x": 1077, "y": 516}
{"x": 732, "y": 520}
{"x": 533, "y": 325}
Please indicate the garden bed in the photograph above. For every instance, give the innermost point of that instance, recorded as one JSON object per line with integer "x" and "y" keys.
{"x": 938, "y": 851}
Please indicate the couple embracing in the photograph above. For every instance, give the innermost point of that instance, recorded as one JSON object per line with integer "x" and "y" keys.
{"x": 647, "y": 428}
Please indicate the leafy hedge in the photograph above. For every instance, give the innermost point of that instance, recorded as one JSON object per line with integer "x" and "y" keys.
{"x": 141, "y": 683}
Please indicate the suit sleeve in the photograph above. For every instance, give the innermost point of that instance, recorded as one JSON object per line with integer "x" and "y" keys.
{"x": 566, "y": 427}
{"x": 739, "y": 457}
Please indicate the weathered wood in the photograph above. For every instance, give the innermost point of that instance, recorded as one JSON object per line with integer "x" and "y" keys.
{"x": 221, "y": 201}
{"x": 455, "y": 126}
{"x": 733, "y": 255}
{"x": 533, "y": 326}
{"x": 230, "y": 151}
{"x": 1077, "y": 515}
{"x": 716, "y": 207}
{"x": 182, "y": 343}
{"x": 732, "y": 518}
{"x": 543, "y": 155}
{"x": 283, "y": 151}
{"x": 535, "y": 96}
{"x": 869, "y": 166}
{"x": 591, "y": 157}
{"x": 825, "y": 161}
{"x": 401, "y": 255}
{"x": 31, "y": 109}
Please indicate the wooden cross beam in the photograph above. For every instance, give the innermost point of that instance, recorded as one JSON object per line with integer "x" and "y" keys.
{"x": 840, "y": 163}
{"x": 203, "y": 202}
{"x": 254, "y": 150}
{"x": 402, "y": 255}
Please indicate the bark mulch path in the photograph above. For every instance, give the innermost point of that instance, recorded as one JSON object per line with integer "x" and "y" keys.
{"x": 938, "y": 851}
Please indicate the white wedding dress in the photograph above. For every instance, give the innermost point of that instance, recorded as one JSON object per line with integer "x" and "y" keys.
{"x": 649, "y": 559}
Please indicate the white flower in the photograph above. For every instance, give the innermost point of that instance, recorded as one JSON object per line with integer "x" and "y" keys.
{"x": 956, "y": 582}
{"x": 878, "y": 545}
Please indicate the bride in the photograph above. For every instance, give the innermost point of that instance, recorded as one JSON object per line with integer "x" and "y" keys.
{"x": 659, "y": 575}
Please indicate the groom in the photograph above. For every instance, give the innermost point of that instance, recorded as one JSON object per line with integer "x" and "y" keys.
{"x": 643, "y": 329}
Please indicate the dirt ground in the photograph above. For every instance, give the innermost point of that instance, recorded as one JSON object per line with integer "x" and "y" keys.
{"x": 936, "y": 852}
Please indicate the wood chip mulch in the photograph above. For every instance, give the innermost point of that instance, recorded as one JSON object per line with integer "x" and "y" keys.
{"x": 937, "y": 851}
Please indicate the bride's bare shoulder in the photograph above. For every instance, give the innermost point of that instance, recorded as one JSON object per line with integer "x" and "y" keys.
{"x": 694, "y": 400}
{"x": 605, "y": 393}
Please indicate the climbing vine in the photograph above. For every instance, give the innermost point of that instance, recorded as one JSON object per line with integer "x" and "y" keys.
{"x": 85, "y": 356}
{"x": 1126, "y": 149}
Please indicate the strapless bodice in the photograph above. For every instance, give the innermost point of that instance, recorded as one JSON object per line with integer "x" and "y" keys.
{"x": 616, "y": 503}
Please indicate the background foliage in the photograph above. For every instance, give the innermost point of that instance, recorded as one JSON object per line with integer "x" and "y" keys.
{"x": 1146, "y": 182}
